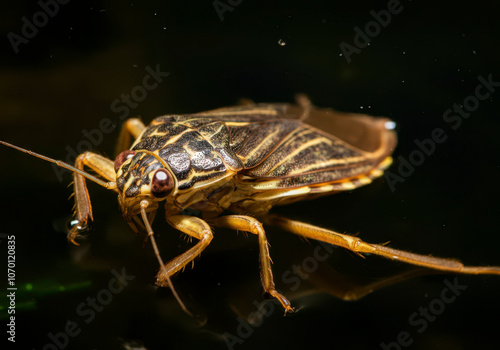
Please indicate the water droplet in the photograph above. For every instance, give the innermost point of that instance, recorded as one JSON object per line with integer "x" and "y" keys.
{"x": 281, "y": 42}
{"x": 390, "y": 125}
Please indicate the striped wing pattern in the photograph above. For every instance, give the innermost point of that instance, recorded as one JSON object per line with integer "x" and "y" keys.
{"x": 278, "y": 151}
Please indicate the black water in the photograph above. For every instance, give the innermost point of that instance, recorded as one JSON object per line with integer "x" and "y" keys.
{"x": 64, "y": 82}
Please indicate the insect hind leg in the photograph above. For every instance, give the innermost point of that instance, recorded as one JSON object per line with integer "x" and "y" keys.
{"x": 359, "y": 246}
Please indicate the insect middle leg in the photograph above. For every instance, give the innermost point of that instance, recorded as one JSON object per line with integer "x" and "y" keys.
{"x": 249, "y": 224}
{"x": 357, "y": 245}
{"x": 193, "y": 227}
{"x": 83, "y": 209}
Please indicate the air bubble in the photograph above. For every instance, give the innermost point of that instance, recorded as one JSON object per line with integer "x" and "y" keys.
{"x": 75, "y": 223}
{"x": 80, "y": 227}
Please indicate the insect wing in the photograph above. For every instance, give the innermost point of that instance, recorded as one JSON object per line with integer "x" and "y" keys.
{"x": 285, "y": 146}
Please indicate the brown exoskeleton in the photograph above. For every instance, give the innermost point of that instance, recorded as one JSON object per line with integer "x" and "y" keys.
{"x": 244, "y": 159}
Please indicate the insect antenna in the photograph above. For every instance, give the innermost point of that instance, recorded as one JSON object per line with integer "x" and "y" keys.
{"x": 107, "y": 185}
{"x": 144, "y": 205}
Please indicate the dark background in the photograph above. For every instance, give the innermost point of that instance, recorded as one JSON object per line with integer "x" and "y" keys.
{"x": 65, "y": 79}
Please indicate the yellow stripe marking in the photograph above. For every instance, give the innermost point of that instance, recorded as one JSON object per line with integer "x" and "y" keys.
{"x": 348, "y": 185}
{"x": 324, "y": 188}
{"x": 239, "y": 113}
{"x": 267, "y": 185}
{"x": 325, "y": 165}
{"x": 364, "y": 180}
{"x": 298, "y": 150}
{"x": 261, "y": 145}
{"x": 266, "y": 196}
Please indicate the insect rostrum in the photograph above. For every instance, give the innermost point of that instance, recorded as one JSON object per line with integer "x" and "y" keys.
{"x": 244, "y": 160}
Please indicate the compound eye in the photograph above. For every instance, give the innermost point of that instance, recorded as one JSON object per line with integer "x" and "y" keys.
{"x": 122, "y": 157}
{"x": 162, "y": 183}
